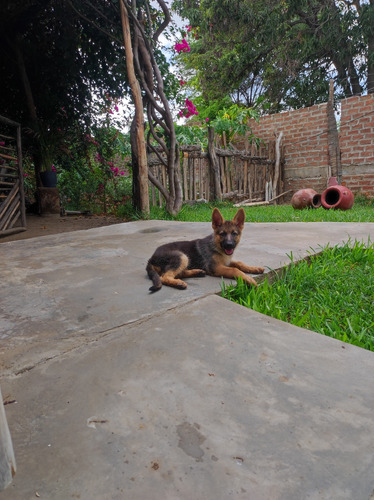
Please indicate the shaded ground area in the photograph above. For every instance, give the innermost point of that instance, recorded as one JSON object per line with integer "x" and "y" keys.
{"x": 55, "y": 224}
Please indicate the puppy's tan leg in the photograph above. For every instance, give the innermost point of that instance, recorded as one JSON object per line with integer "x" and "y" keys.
{"x": 169, "y": 278}
{"x": 233, "y": 272}
{"x": 247, "y": 269}
{"x": 192, "y": 273}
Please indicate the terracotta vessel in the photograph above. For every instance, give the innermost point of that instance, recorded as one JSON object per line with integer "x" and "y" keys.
{"x": 337, "y": 196}
{"x": 306, "y": 198}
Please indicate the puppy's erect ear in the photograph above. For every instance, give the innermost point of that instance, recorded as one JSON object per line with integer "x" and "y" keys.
{"x": 217, "y": 219}
{"x": 240, "y": 218}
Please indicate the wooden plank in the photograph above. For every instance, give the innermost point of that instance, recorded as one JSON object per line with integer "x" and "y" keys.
{"x": 7, "y": 459}
{"x": 185, "y": 172}
{"x": 200, "y": 180}
{"x": 8, "y": 167}
{"x": 6, "y": 220}
{"x": 21, "y": 176}
{"x": 194, "y": 180}
{"x": 8, "y": 157}
{"x": 2, "y": 136}
{"x": 14, "y": 216}
{"x": 13, "y": 230}
{"x": 4, "y": 206}
{"x": 5, "y": 175}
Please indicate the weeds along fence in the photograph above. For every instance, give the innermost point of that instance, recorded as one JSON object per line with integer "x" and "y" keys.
{"x": 253, "y": 175}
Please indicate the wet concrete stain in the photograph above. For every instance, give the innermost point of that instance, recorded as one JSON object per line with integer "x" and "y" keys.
{"x": 190, "y": 440}
{"x": 151, "y": 230}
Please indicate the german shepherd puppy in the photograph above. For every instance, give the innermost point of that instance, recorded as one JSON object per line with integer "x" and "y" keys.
{"x": 211, "y": 255}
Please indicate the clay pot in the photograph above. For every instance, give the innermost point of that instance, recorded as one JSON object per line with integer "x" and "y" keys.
{"x": 332, "y": 182}
{"x": 306, "y": 198}
{"x": 337, "y": 196}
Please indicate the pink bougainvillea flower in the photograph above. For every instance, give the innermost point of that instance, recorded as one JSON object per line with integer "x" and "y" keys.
{"x": 206, "y": 119}
{"x": 53, "y": 168}
{"x": 188, "y": 110}
{"x": 182, "y": 82}
{"x": 182, "y": 46}
{"x": 116, "y": 108}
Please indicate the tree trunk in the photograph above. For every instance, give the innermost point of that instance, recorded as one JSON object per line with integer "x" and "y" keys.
{"x": 37, "y": 154}
{"x": 161, "y": 138}
{"x": 139, "y": 157}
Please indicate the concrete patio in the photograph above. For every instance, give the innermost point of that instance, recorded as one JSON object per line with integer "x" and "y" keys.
{"x": 115, "y": 393}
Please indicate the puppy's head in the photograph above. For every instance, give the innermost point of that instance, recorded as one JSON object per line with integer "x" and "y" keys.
{"x": 227, "y": 233}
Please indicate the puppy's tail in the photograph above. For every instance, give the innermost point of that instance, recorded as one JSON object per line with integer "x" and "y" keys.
{"x": 155, "y": 277}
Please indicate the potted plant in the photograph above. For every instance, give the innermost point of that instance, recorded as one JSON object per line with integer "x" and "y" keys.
{"x": 49, "y": 177}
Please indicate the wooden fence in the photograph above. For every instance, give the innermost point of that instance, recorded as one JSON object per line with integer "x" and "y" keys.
{"x": 253, "y": 175}
{"x": 12, "y": 197}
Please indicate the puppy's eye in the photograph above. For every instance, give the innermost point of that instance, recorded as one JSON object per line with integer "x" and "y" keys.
{"x": 234, "y": 233}
{"x": 222, "y": 233}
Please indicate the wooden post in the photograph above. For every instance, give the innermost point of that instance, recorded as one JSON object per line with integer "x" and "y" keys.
{"x": 7, "y": 460}
{"x": 334, "y": 162}
{"x": 185, "y": 172}
{"x": 277, "y": 165}
{"x": 214, "y": 165}
{"x": 139, "y": 114}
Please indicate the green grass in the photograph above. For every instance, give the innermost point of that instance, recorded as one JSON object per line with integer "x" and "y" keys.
{"x": 362, "y": 211}
{"x": 331, "y": 292}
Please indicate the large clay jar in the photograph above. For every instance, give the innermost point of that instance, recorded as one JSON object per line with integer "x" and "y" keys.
{"x": 306, "y": 198}
{"x": 337, "y": 196}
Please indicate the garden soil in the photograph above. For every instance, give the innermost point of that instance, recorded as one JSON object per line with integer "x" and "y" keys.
{"x": 55, "y": 224}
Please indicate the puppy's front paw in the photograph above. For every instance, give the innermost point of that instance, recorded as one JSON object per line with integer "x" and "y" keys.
{"x": 250, "y": 281}
{"x": 258, "y": 270}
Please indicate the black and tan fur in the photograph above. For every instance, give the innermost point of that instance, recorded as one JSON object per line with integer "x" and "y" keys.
{"x": 211, "y": 255}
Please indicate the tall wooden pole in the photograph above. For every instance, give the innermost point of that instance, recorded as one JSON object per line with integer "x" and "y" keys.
{"x": 139, "y": 114}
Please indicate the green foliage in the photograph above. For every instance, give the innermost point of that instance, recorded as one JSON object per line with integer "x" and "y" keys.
{"x": 233, "y": 121}
{"x": 94, "y": 176}
{"x": 284, "y": 52}
{"x": 60, "y": 63}
{"x": 192, "y": 135}
{"x": 331, "y": 293}
{"x": 226, "y": 118}
{"x": 69, "y": 60}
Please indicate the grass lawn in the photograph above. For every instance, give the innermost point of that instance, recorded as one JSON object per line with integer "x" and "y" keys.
{"x": 331, "y": 293}
{"x": 362, "y": 211}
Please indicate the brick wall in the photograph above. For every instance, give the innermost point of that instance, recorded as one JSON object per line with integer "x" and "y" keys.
{"x": 357, "y": 144}
{"x": 308, "y": 163}
{"x": 305, "y": 145}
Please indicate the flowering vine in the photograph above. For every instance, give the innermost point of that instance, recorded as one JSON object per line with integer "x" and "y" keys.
{"x": 182, "y": 46}
{"x": 189, "y": 108}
